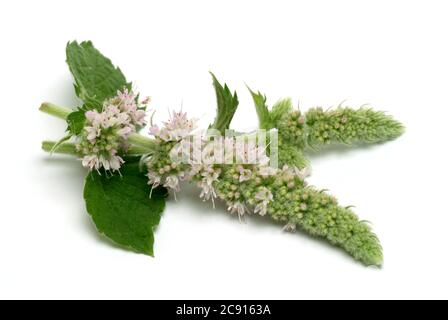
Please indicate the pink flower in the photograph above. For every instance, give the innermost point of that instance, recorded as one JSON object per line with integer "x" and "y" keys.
{"x": 138, "y": 117}
{"x": 172, "y": 182}
{"x": 266, "y": 171}
{"x": 126, "y": 102}
{"x": 177, "y": 127}
{"x": 91, "y": 162}
{"x": 153, "y": 179}
{"x": 113, "y": 163}
{"x": 261, "y": 209}
{"x": 245, "y": 174}
{"x": 238, "y": 208}
{"x": 264, "y": 197}
{"x": 94, "y": 118}
{"x": 302, "y": 173}
{"x": 154, "y": 130}
{"x": 125, "y": 131}
{"x": 207, "y": 191}
{"x": 92, "y": 133}
{"x": 207, "y": 175}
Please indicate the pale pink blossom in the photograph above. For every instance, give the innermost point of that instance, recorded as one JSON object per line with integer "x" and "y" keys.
{"x": 172, "y": 182}
{"x": 245, "y": 174}
{"x": 113, "y": 163}
{"x": 302, "y": 173}
{"x": 207, "y": 175}
{"x": 261, "y": 208}
{"x": 154, "y": 130}
{"x": 177, "y": 127}
{"x": 125, "y": 131}
{"x": 153, "y": 179}
{"x": 207, "y": 191}
{"x": 91, "y": 162}
{"x": 287, "y": 173}
{"x": 238, "y": 208}
{"x": 92, "y": 133}
{"x": 126, "y": 102}
{"x": 266, "y": 171}
{"x": 263, "y": 197}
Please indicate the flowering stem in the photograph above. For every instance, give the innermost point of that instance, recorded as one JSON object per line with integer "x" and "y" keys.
{"x": 144, "y": 143}
{"x": 65, "y": 148}
{"x": 70, "y": 148}
{"x": 54, "y": 110}
{"x": 137, "y": 150}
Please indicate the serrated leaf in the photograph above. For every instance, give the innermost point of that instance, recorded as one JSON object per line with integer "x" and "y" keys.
{"x": 264, "y": 117}
{"x": 96, "y": 78}
{"x": 76, "y": 121}
{"x": 227, "y": 105}
{"x": 121, "y": 208}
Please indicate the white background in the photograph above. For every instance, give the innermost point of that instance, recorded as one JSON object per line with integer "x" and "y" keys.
{"x": 391, "y": 54}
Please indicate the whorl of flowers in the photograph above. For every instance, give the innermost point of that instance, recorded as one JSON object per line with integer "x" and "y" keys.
{"x": 175, "y": 129}
{"x": 175, "y": 136}
{"x": 105, "y": 133}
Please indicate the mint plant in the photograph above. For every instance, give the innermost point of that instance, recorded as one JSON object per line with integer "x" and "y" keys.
{"x": 130, "y": 174}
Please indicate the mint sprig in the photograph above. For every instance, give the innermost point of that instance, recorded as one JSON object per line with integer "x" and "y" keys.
{"x": 127, "y": 210}
{"x": 120, "y": 205}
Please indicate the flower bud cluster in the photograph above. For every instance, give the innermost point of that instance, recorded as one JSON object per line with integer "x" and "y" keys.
{"x": 319, "y": 214}
{"x": 291, "y": 127}
{"x": 346, "y": 125}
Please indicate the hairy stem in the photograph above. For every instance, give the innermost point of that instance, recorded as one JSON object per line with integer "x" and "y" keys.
{"x": 54, "y": 110}
{"x": 145, "y": 144}
{"x": 70, "y": 148}
{"x": 63, "y": 148}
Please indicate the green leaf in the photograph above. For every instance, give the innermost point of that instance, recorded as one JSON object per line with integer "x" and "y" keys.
{"x": 261, "y": 107}
{"x": 227, "y": 105}
{"x": 122, "y": 208}
{"x": 96, "y": 78}
{"x": 76, "y": 121}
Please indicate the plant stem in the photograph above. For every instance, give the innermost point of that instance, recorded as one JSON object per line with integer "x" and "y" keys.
{"x": 70, "y": 148}
{"x": 64, "y": 148}
{"x": 144, "y": 143}
{"x": 54, "y": 110}
{"x": 137, "y": 151}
